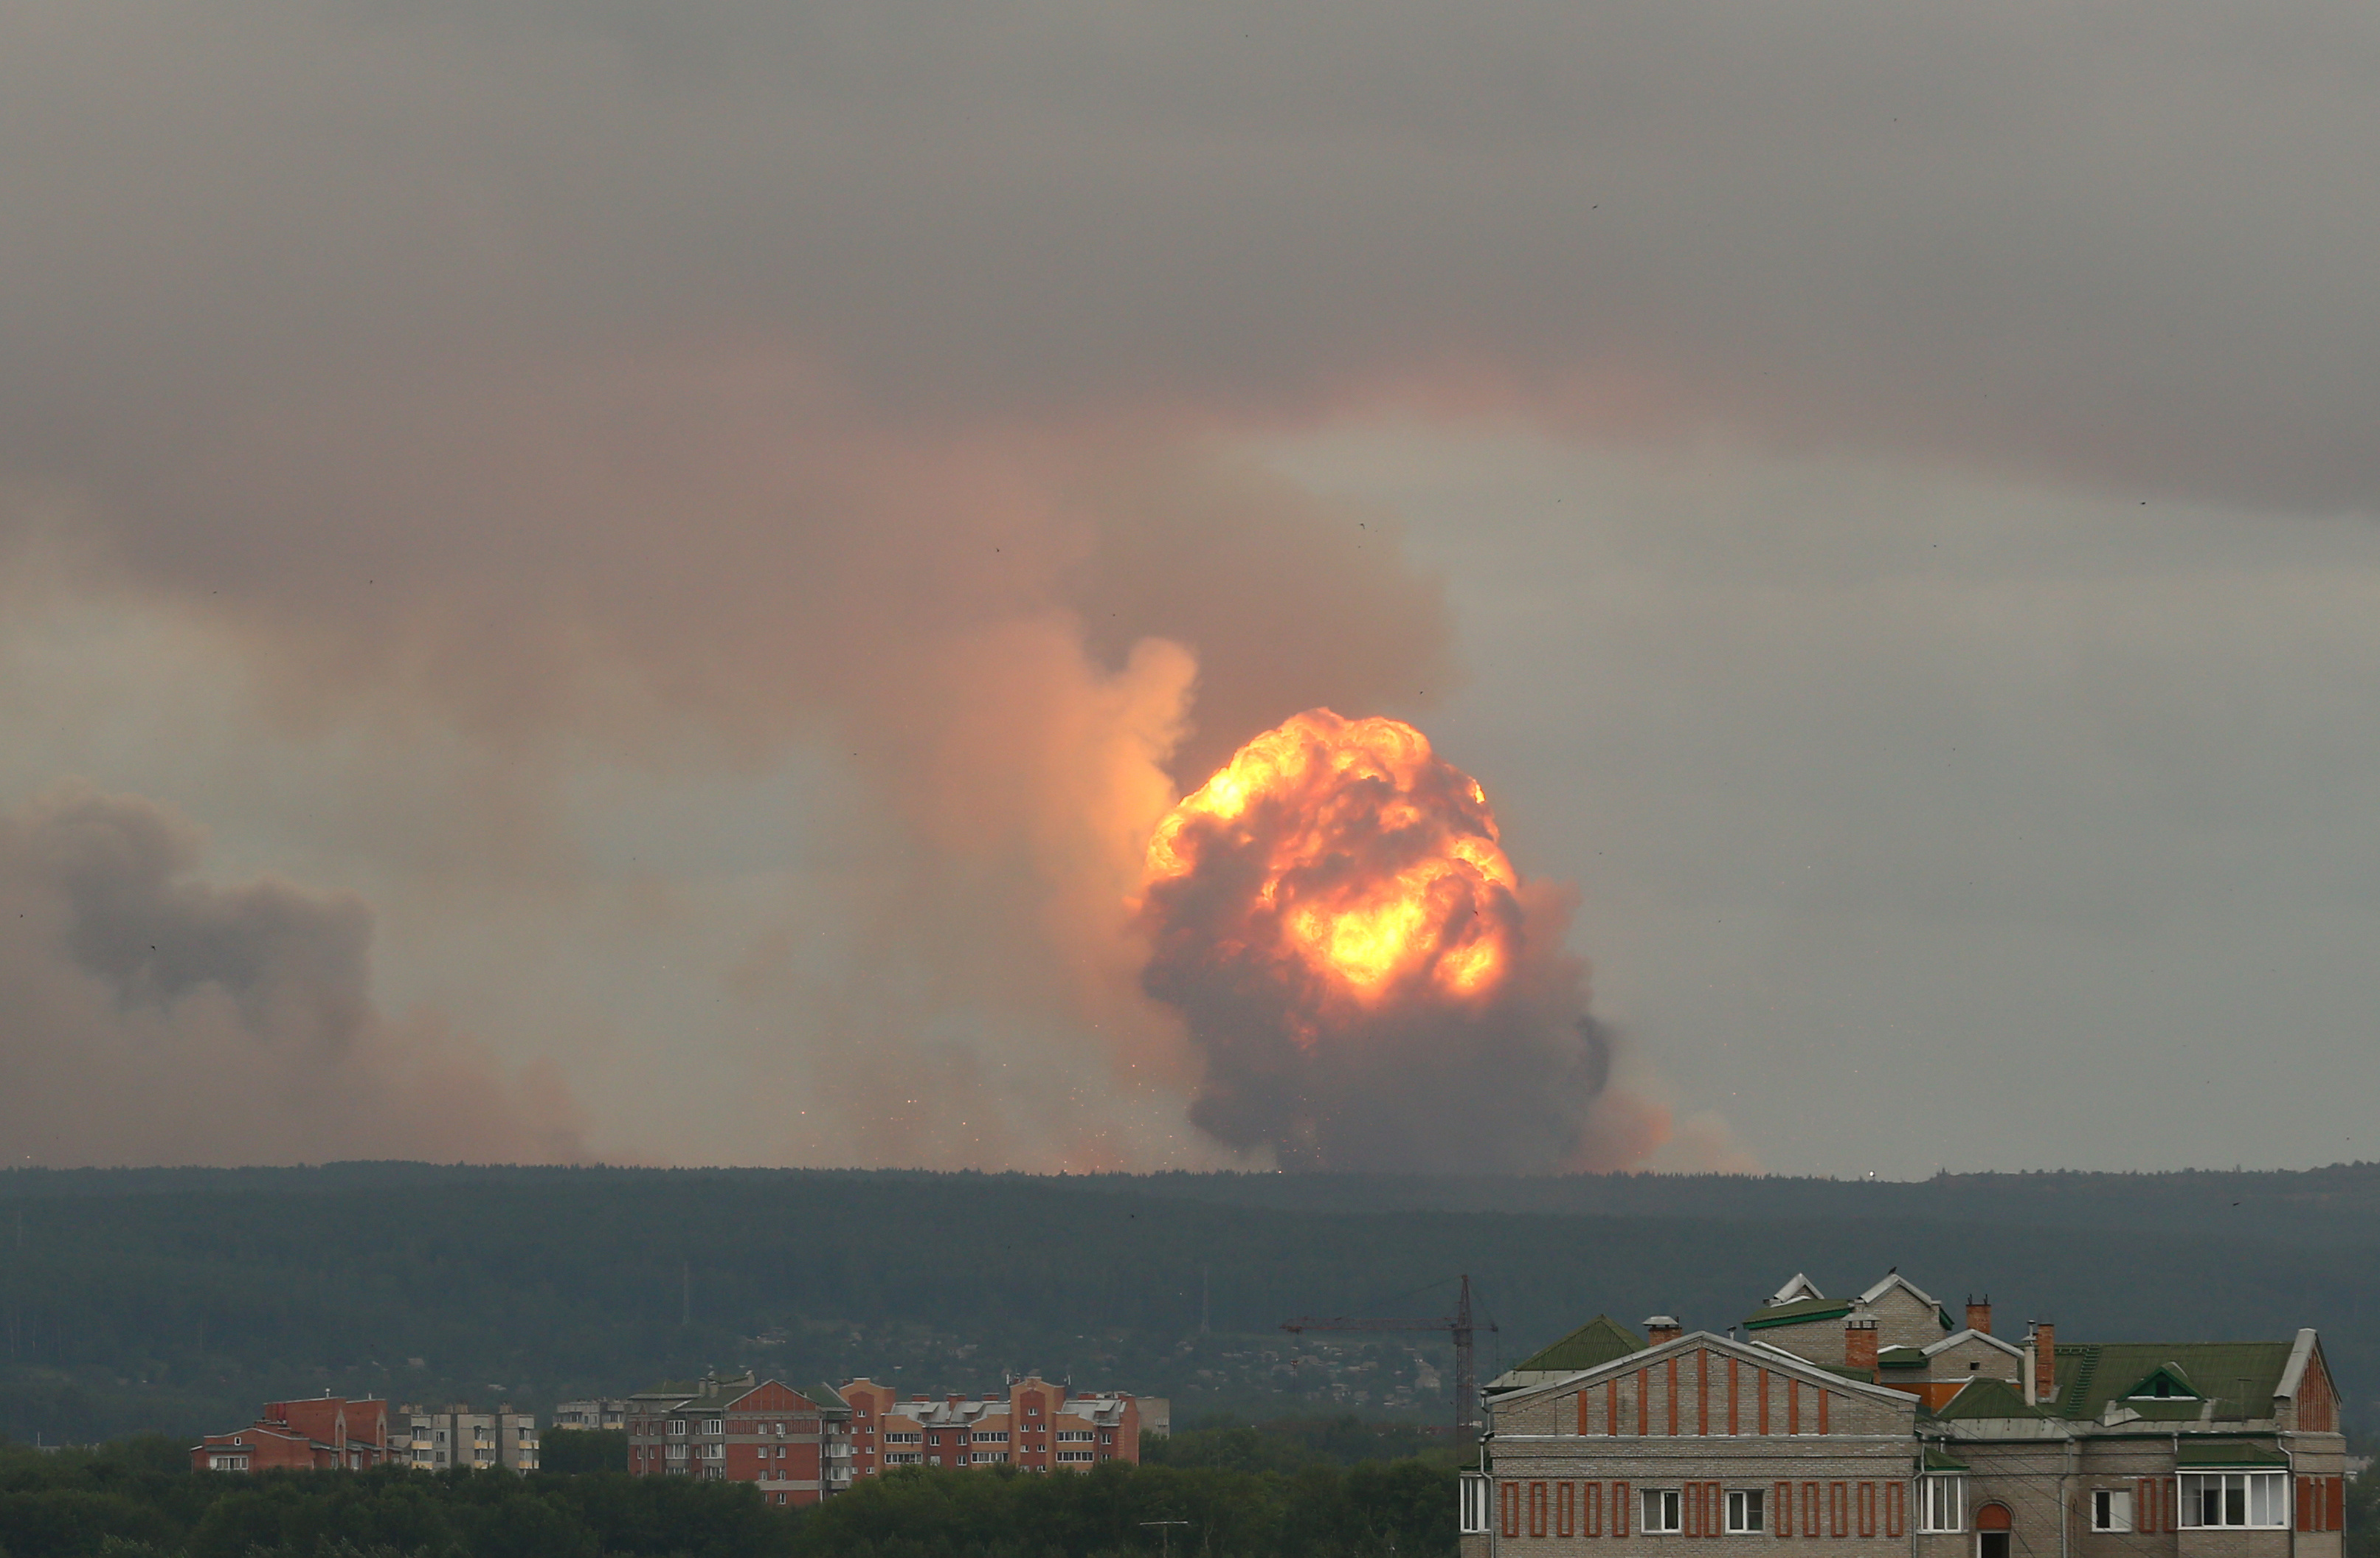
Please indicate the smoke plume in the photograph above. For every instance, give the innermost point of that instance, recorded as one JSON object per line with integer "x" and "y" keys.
{"x": 148, "y": 1016}
{"x": 1369, "y": 983}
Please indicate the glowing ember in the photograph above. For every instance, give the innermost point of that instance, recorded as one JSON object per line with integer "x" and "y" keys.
{"x": 1357, "y": 856}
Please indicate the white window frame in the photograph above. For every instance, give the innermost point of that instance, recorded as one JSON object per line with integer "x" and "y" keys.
{"x": 2111, "y": 1509}
{"x": 1661, "y": 1511}
{"x": 1942, "y": 1502}
{"x": 1476, "y": 1504}
{"x": 2269, "y": 1489}
{"x": 1747, "y": 1504}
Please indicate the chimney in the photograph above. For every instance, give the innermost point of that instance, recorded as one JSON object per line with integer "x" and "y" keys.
{"x": 1661, "y": 1328}
{"x": 1979, "y": 1316}
{"x": 1859, "y": 1341}
{"x": 2045, "y": 1361}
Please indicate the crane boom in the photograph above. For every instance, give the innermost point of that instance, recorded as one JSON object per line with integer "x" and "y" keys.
{"x": 1466, "y": 1372}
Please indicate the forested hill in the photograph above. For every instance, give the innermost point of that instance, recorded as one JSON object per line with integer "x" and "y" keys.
{"x": 178, "y": 1298}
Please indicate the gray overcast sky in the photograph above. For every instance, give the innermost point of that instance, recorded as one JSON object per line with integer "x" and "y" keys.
{"x": 596, "y": 578}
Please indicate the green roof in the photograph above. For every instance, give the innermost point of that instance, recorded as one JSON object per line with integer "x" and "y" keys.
{"x": 1597, "y": 1343}
{"x": 1801, "y": 1312}
{"x": 2239, "y": 1376}
{"x": 1987, "y": 1398}
{"x": 1937, "y": 1461}
{"x": 1901, "y": 1357}
{"x": 2230, "y": 1453}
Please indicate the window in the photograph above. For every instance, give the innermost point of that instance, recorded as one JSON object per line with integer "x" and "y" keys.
{"x": 710, "y": 1425}
{"x": 1661, "y": 1511}
{"x": 1942, "y": 1504}
{"x": 1073, "y": 1455}
{"x": 1746, "y": 1511}
{"x": 1000, "y": 1438}
{"x": 2234, "y": 1498}
{"x": 2111, "y": 1509}
{"x": 891, "y": 1438}
{"x": 677, "y": 1425}
{"x": 1474, "y": 1509}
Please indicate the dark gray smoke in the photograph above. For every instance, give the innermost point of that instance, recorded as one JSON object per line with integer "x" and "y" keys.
{"x": 1413, "y": 1069}
{"x": 147, "y": 1015}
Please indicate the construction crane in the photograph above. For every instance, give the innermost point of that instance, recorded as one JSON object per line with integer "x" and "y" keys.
{"x": 1467, "y": 1370}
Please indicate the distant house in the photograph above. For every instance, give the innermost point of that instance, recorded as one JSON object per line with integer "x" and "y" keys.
{"x": 733, "y": 1427}
{"x": 317, "y": 1433}
{"x": 1880, "y": 1425}
{"x": 1034, "y": 1424}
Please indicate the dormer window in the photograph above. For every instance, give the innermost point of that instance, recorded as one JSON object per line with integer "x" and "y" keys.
{"x": 2165, "y": 1383}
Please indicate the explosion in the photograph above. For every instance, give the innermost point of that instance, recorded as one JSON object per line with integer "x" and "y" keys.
{"x": 1370, "y": 982}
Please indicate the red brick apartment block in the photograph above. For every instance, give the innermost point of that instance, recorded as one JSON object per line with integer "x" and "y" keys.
{"x": 319, "y": 1434}
{"x": 1036, "y": 1425}
{"x": 789, "y": 1442}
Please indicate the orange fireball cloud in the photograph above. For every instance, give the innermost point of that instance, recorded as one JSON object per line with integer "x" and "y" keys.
{"x": 1335, "y": 918}
{"x": 1381, "y": 868}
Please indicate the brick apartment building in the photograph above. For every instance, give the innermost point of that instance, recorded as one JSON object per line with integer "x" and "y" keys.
{"x": 438, "y": 1438}
{"x": 791, "y": 1443}
{"x": 1878, "y": 1426}
{"x": 320, "y": 1433}
{"x": 1035, "y": 1425}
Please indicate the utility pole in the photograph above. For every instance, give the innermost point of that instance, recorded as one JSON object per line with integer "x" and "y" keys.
{"x": 1165, "y": 1531}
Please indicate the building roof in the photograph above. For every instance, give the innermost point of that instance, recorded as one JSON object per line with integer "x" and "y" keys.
{"x": 1986, "y": 1398}
{"x": 1901, "y": 1357}
{"x": 1800, "y": 1287}
{"x": 1800, "y": 1311}
{"x": 1598, "y": 1340}
{"x": 2239, "y": 1377}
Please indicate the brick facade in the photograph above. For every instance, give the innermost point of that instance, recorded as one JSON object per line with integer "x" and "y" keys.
{"x": 317, "y": 1433}
{"x": 791, "y": 1445}
{"x": 1035, "y": 1425}
{"x": 1865, "y": 1426}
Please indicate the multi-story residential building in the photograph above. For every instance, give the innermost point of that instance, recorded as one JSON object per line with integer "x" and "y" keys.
{"x": 437, "y": 1438}
{"x": 590, "y": 1416}
{"x": 1880, "y": 1427}
{"x": 737, "y": 1429}
{"x": 1035, "y": 1425}
{"x": 315, "y": 1434}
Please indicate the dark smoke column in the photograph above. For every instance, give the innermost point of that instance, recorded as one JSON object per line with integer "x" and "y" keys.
{"x": 1370, "y": 982}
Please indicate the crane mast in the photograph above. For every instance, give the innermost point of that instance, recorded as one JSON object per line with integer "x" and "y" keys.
{"x": 1459, "y": 1324}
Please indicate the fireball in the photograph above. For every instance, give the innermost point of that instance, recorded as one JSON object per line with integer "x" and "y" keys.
{"x": 1346, "y": 855}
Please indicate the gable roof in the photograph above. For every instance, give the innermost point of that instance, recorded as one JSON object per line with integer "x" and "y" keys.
{"x": 2240, "y": 1378}
{"x": 1799, "y": 1288}
{"x": 1893, "y": 1279}
{"x": 1776, "y": 1360}
{"x": 1946, "y": 1343}
{"x": 1598, "y": 1340}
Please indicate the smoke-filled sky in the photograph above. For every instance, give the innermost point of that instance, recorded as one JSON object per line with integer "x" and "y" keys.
{"x": 588, "y": 579}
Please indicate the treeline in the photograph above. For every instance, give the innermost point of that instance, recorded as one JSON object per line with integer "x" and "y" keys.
{"x": 179, "y": 1299}
{"x": 137, "y": 1500}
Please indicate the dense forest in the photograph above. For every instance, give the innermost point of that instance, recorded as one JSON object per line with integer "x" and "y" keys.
{"x": 138, "y": 1499}
{"x": 175, "y": 1300}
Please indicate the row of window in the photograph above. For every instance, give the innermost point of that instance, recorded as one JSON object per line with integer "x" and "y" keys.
{"x": 2196, "y": 1501}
